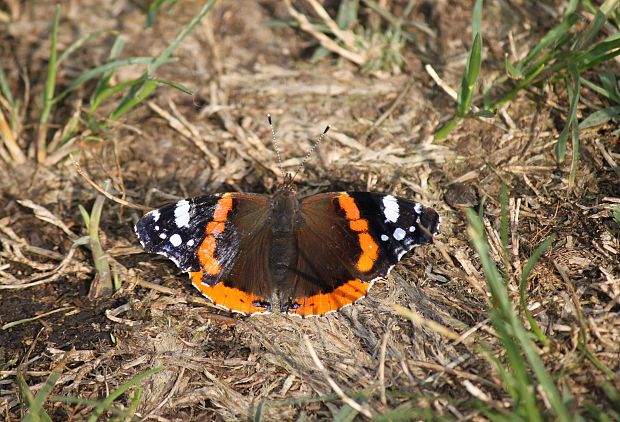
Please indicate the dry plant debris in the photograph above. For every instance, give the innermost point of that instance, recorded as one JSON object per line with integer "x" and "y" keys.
{"x": 432, "y": 355}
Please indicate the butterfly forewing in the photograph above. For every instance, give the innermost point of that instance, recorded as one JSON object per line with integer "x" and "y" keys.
{"x": 176, "y": 230}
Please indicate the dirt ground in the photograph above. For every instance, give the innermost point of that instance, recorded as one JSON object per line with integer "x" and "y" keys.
{"x": 223, "y": 367}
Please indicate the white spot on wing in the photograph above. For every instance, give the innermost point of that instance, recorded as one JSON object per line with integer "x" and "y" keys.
{"x": 162, "y": 235}
{"x": 391, "y": 209}
{"x": 156, "y": 227}
{"x": 384, "y": 238}
{"x": 181, "y": 214}
{"x": 418, "y": 208}
{"x": 411, "y": 229}
{"x": 190, "y": 242}
{"x": 155, "y": 214}
{"x": 176, "y": 240}
{"x": 399, "y": 234}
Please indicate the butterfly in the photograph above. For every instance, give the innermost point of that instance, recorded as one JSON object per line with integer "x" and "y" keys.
{"x": 256, "y": 253}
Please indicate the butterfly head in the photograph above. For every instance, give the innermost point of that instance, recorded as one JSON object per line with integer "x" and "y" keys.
{"x": 288, "y": 185}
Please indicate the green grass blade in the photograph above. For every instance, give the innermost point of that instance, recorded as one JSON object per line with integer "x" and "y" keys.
{"x": 476, "y": 19}
{"x": 571, "y": 7}
{"x": 592, "y": 30}
{"x": 575, "y": 157}
{"x": 104, "y": 82}
{"x": 175, "y": 85}
{"x": 443, "y": 131}
{"x": 504, "y": 224}
{"x": 500, "y": 313}
{"x": 75, "y": 45}
{"x": 513, "y": 71}
{"x": 44, "y": 393}
{"x": 48, "y": 90}
{"x": 540, "y": 250}
{"x": 260, "y": 411}
{"x": 134, "y": 403}
{"x": 504, "y": 374}
{"x": 35, "y": 404}
{"x": 601, "y": 90}
{"x": 153, "y": 10}
{"x": 109, "y": 92}
{"x": 345, "y": 414}
{"x": 101, "y": 70}
{"x": 547, "y": 384}
{"x": 611, "y": 375}
{"x": 103, "y": 286}
{"x": 4, "y": 88}
{"x": 145, "y": 85}
{"x": 165, "y": 55}
{"x": 551, "y": 37}
{"x": 595, "y": 26}
{"x": 617, "y": 214}
{"x": 573, "y": 95}
{"x": 138, "y": 92}
{"x": 492, "y": 275}
{"x": 105, "y": 404}
{"x": 85, "y": 215}
{"x": 610, "y": 84}
{"x": 600, "y": 53}
{"x": 347, "y": 15}
{"x": 472, "y": 70}
{"x": 529, "y": 78}
{"x": 28, "y": 398}
{"x": 507, "y": 324}
{"x": 526, "y": 403}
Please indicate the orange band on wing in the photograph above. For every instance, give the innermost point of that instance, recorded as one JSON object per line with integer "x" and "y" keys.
{"x": 348, "y": 205}
{"x": 206, "y": 250}
{"x": 228, "y": 297}
{"x": 326, "y": 302}
{"x": 370, "y": 249}
{"x": 206, "y": 256}
{"x": 223, "y": 206}
{"x": 215, "y": 227}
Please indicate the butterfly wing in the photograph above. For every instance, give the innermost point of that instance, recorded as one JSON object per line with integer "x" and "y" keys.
{"x": 222, "y": 241}
{"x": 346, "y": 241}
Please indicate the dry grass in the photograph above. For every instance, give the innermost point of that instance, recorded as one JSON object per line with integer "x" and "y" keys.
{"x": 370, "y": 359}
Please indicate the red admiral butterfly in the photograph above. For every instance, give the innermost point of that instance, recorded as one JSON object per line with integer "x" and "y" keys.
{"x": 252, "y": 253}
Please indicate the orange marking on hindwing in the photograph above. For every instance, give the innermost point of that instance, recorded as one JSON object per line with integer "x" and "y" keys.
{"x": 322, "y": 303}
{"x": 206, "y": 256}
{"x": 370, "y": 249}
{"x": 228, "y": 297}
{"x": 206, "y": 250}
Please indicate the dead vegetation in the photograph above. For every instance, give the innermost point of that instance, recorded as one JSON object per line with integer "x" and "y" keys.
{"x": 440, "y": 353}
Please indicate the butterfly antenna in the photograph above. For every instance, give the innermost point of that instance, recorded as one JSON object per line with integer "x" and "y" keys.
{"x": 312, "y": 148}
{"x": 276, "y": 146}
